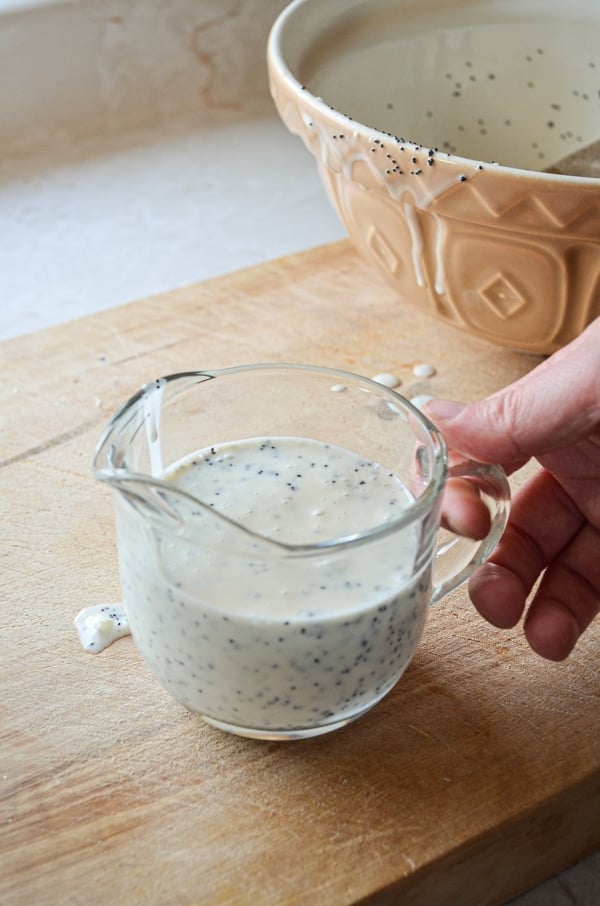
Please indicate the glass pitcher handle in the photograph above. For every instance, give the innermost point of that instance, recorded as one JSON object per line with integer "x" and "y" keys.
{"x": 457, "y": 558}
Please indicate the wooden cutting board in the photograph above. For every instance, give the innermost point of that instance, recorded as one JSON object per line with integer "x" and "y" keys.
{"x": 478, "y": 776}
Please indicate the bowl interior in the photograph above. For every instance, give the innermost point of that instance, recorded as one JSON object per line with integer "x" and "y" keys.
{"x": 515, "y": 83}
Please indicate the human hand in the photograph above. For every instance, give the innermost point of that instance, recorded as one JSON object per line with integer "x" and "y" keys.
{"x": 552, "y": 414}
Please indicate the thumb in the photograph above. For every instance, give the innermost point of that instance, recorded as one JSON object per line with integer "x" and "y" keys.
{"x": 555, "y": 405}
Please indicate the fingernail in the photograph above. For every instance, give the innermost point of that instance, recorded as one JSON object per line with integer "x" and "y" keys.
{"x": 443, "y": 410}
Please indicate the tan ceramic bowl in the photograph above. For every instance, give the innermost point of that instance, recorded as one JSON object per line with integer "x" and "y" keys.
{"x": 408, "y": 104}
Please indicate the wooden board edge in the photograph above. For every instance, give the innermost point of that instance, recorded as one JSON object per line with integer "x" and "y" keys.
{"x": 509, "y": 860}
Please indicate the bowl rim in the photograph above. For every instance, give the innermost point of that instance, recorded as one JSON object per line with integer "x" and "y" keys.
{"x": 277, "y": 65}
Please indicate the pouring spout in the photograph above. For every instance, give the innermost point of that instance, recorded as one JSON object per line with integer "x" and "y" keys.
{"x": 131, "y": 442}
{"x": 129, "y": 458}
{"x": 156, "y": 500}
{"x": 171, "y": 511}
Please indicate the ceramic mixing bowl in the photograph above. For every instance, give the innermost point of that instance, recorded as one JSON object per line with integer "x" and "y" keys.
{"x": 432, "y": 124}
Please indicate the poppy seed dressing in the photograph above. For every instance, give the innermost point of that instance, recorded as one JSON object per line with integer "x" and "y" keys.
{"x": 273, "y": 626}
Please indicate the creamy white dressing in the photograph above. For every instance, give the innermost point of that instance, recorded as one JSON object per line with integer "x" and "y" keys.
{"x": 421, "y": 399}
{"x": 100, "y": 625}
{"x": 417, "y": 244}
{"x": 423, "y": 370}
{"x": 254, "y": 637}
{"x": 152, "y": 407}
{"x": 387, "y": 379}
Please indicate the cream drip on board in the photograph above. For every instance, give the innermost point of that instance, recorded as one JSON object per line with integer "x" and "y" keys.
{"x": 100, "y": 625}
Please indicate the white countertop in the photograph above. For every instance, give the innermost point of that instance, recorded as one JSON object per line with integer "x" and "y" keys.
{"x": 119, "y": 218}
{"x": 140, "y": 152}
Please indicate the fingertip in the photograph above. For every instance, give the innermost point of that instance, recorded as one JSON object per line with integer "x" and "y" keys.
{"x": 464, "y": 512}
{"x": 472, "y": 521}
{"x": 442, "y": 411}
{"x": 498, "y": 595}
{"x": 551, "y": 629}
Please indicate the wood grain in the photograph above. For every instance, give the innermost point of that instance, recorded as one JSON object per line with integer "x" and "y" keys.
{"x": 478, "y": 776}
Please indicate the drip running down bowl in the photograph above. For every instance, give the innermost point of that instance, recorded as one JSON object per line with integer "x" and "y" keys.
{"x": 433, "y": 125}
